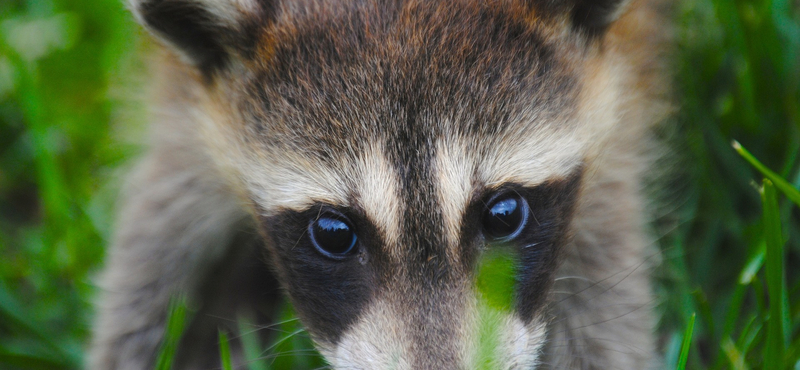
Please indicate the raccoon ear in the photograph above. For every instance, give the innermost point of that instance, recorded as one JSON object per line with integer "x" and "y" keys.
{"x": 207, "y": 32}
{"x": 592, "y": 17}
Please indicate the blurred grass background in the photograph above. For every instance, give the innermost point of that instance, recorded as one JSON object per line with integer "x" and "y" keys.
{"x": 68, "y": 125}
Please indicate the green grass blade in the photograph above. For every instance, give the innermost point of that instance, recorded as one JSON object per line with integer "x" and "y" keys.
{"x": 749, "y": 334}
{"x": 496, "y": 281}
{"x": 687, "y": 341}
{"x": 176, "y": 322}
{"x": 735, "y": 357}
{"x": 27, "y": 361}
{"x": 734, "y": 310}
{"x": 775, "y": 345}
{"x": 704, "y": 310}
{"x": 12, "y": 314}
{"x": 292, "y": 348}
{"x": 784, "y": 186}
{"x": 225, "y": 351}
{"x": 251, "y": 344}
{"x": 753, "y": 265}
{"x": 793, "y": 352}
{"x": 672, "y": 350}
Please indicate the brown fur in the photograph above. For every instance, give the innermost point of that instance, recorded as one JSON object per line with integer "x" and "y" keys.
{"x": 406, "y": 114}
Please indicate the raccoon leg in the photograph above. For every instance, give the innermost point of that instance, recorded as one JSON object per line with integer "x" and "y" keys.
{"x": 602, "y": 311}
{"x": 174, "y": 229}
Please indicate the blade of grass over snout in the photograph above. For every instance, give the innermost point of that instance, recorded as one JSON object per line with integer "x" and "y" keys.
{"x": 176, "y": 322}
{"x": 687, "y": 342}
{"x": 225, "y": 351}
{"x": 776, "y": 342}
{"x": 497, "y": 278}
{"x": 496, "y": 281}
{"x": 791, "y": 192}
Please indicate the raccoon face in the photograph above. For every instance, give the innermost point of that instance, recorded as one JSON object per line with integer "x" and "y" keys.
{"x": 393, "y": 152}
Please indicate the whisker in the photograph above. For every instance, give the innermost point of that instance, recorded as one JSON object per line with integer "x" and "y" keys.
{"x": 284, "y": 339}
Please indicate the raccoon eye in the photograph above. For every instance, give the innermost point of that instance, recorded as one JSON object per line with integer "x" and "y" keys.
{"x": 332, "y": 236}
{"x": 505, "y": 217}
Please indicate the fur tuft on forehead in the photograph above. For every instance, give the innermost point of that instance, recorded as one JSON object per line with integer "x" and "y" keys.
{"x": 406, "y": 73}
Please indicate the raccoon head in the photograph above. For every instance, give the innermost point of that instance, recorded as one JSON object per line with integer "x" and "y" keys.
{"x": 392, "y": 150}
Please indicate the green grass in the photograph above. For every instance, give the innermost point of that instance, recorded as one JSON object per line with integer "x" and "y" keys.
{"x": 687, "y": 341}
{"x": 176, "y": 324}
{"x": 777, "y": 329}
{"x": 225, "y": 351}
{"x": 495, "y": 281}
{"x": 730, "y": 242}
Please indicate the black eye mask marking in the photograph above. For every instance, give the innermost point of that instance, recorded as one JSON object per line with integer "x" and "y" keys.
{"x": 332, "y": 262}
{"x": 324, "y": 265}
{"x": 530, "y": 224}
{"x": 551, "y": 211}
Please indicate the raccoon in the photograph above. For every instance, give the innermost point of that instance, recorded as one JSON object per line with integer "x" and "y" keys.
{"x": 361, "y": 157}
